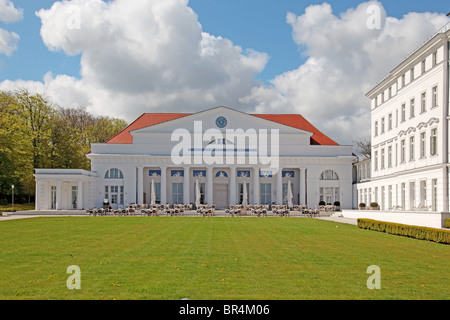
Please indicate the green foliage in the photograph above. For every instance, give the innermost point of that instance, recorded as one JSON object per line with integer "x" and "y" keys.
{"x": 35, "y": 133}
{"x": 447, "y": 223}
{"x": 374, "y": 205}
{"x": 417, "y": 232}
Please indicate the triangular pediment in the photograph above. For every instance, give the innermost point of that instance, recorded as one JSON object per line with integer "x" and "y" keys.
{"x": 221, "y": 118}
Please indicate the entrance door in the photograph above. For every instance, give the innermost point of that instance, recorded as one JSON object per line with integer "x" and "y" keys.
{"x": 221, "y": 196}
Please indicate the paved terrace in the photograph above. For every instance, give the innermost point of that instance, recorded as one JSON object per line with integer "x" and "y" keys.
{"x": 192, "y": 213}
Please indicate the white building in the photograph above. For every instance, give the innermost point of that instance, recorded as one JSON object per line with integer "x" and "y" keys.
{"x": 409, "y": 115}
{"x": 146, "y": 152}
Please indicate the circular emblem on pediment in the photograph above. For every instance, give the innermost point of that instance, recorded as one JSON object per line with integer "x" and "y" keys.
{"x": 221, "y": 122}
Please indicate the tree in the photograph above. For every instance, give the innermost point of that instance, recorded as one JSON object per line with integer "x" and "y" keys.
{"x": 363, "y": 147}
{"x": 35, "y": 133}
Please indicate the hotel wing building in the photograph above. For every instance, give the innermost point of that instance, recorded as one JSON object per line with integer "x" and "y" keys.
{"x": 225, "y": 150}
{"x": 410, "y": 136}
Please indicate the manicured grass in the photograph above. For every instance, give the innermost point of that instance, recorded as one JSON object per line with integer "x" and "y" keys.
{"x": 214, "y": 258}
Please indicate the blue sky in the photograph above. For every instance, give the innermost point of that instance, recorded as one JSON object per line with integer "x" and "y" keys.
{"x": 130, "y": 57}
{"x": 256, "y": 24}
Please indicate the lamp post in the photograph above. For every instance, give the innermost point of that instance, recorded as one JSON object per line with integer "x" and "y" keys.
{"x": 12, "y": 197}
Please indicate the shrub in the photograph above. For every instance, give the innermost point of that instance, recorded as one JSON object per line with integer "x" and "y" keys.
{"x": 322, "y": 203}
{"x": 374, "y": 205}
{"x": 337, "y": 204}
{"x": 416, "y": 232}
{"x": 447, "y": 223}
{"x": 362, "y": 205}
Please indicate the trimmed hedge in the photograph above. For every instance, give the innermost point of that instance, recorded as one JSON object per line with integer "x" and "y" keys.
{"x": 416, "y": 232}
{"x": 447, "y": 223}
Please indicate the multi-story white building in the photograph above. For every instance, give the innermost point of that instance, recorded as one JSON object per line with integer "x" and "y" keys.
{"x": 145, "y": 154}
{"x": 410, "y": 132}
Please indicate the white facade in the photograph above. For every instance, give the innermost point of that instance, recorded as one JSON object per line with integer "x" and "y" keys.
{"x": 123, "y": 173}
{"x": 409, "y": 120}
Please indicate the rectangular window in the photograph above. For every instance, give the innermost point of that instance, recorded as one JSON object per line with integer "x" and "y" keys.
{"x": 411, "y": 149}
{"x": 382, "y": 158}
{"x": 177, "y": 193}
{"x": 390, "y": 92}
{"x": 422, "y": 145}
{"x": 434, "y": 58}
{"x": 53, "y": 197}
{"x": 423, "y": 66}
{"x": 402, "y": 151}
{"x": 434, "y": 99}
{"x": 376, "y": 128}
{"x": 403, "y": 118}
{"x": 403, "y": 80}
{"x": 389, "y": 197}
{"x": 423, "y": 102}
{"x": 396, "y": 154}
{"x": 423, "y": 194}
{"x": 412, "y": 195}
{"x": 433, "y": 142}
{"x": 403, "y": 196}
{"x": 434, "y": 195}
{"x": 74, "y": 197}
{"x": 375, "y": 165}
{"x": 266, "y": 193}
{"x": 382, "y": 125}
{"x": 412, "y": 106}
{"x": 389, "y": 156}
{"x": 390, "y": 121}
{"x": 412, "y": 74}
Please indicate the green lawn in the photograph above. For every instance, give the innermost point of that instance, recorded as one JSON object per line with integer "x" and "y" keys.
{"x": 214, "y": 258}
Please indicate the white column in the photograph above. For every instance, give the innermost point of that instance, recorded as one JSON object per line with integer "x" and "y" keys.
{"x": 279, "y": 191}
{"x": 186, "y": 186}
{"x": 80, "y": 200}
{"x": 58, "y": 195}
{"x": 302, "y": 186}
{"x": 140, "y": 185}
{"x": 209, "y": 185}
{"x": 163, "y": 185}
{"x": 233, "y": 185}
{"x": 256, "y": 197}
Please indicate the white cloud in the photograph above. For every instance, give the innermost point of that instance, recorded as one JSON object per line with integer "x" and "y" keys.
{"x": 344, "y": 60}
{"x": 8, "y": 42}
{"x": 153, "y": 56}
{"x": 144, "y": 56}
{"x": 8, "y": 13}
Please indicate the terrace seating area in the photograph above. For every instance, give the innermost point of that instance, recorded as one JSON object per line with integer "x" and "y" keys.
{"x": 209, "y": 210}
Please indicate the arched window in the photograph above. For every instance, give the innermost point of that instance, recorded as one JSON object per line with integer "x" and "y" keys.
{"x": 114, "y": 174}
{"x": 329, "y": 175}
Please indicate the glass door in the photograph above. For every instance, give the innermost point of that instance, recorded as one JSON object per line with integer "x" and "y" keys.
{"x": 266, "y": 193}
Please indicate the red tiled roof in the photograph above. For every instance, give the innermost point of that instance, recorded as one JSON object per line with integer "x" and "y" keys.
{"x": 145, "y": 120}
{"x": 291, "y": 120}
{"x": 299, "y": 122}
